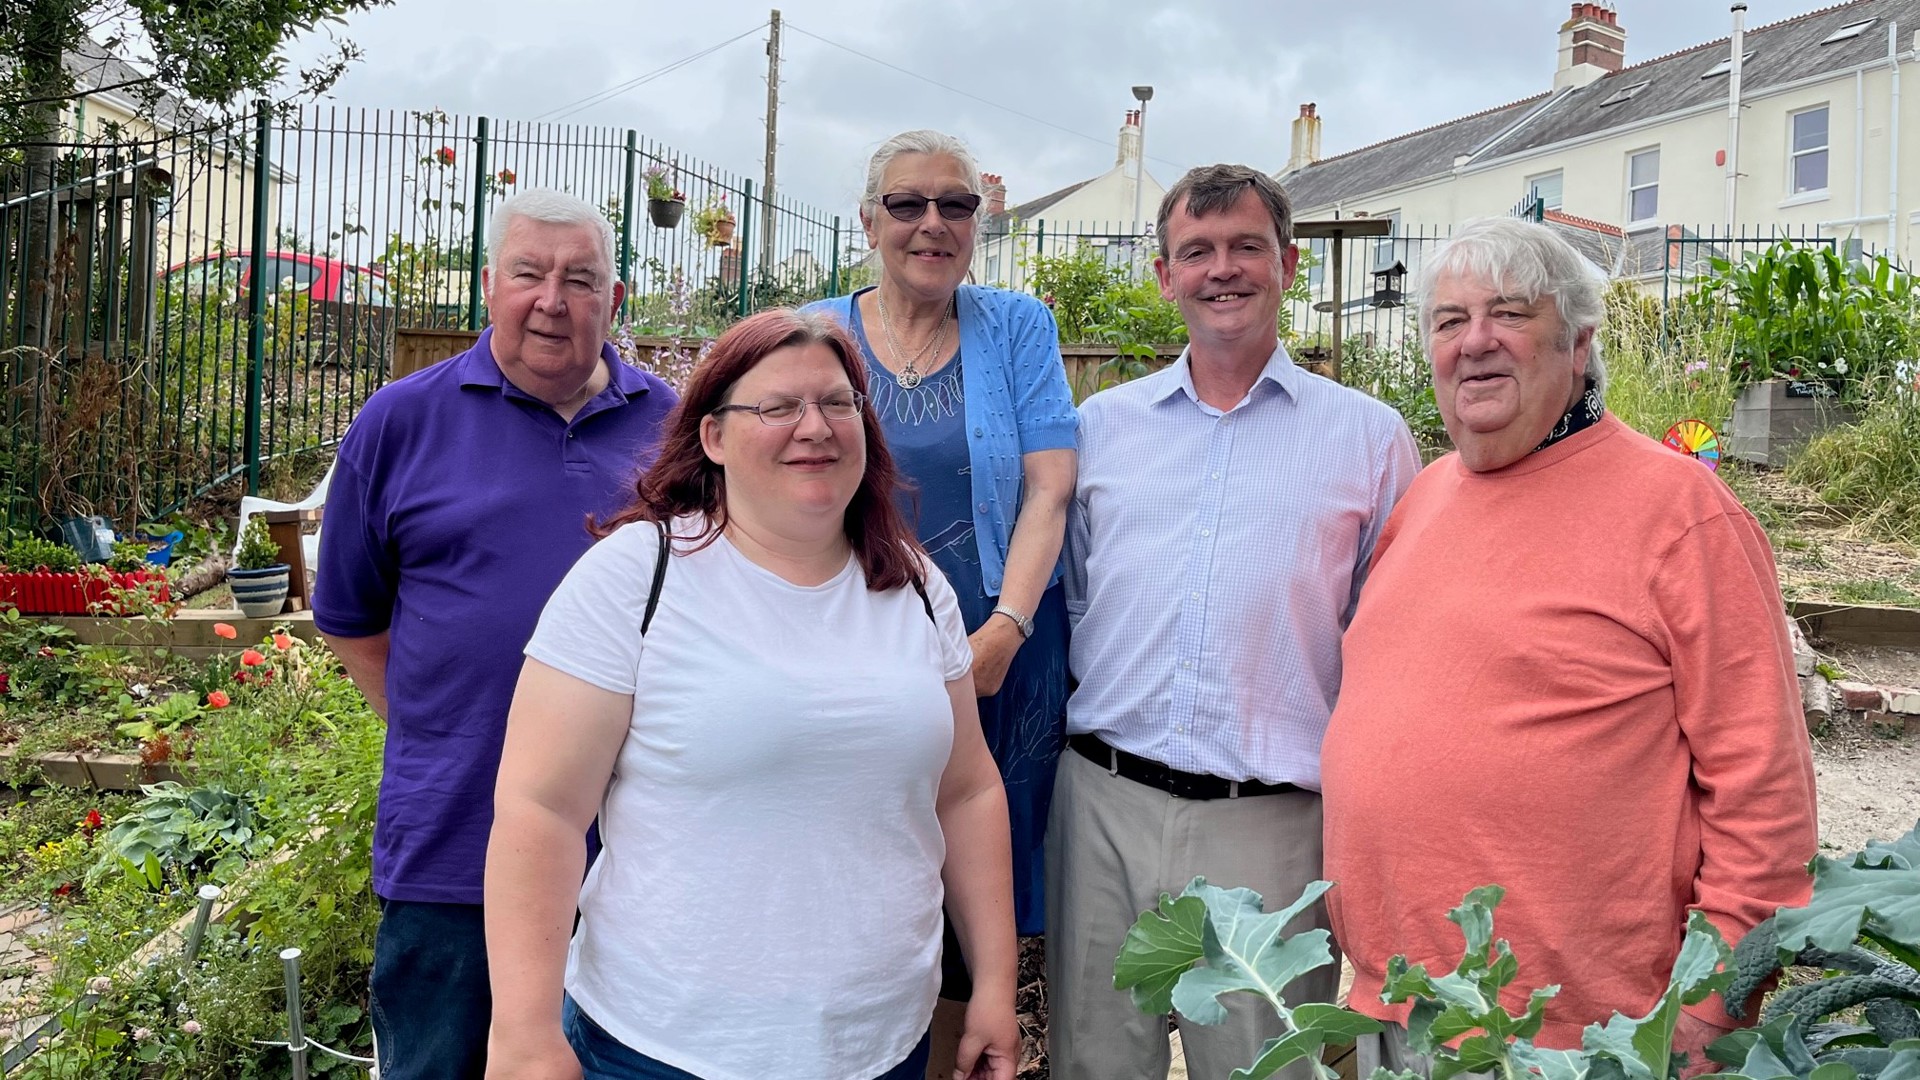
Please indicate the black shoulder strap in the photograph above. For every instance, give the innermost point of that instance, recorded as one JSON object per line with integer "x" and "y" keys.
{"x": 660, "y": 577}
{"x": 921, "y": 588}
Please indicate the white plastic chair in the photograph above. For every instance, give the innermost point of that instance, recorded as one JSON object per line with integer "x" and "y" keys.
{"x": 309, "y": 544}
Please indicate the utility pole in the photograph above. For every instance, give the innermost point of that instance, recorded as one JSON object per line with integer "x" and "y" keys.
{"x": 773, "y": 143}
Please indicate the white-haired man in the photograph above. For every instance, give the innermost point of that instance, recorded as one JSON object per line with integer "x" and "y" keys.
{"x": 1569, "y": 674}
{"x": 458, "y": 502}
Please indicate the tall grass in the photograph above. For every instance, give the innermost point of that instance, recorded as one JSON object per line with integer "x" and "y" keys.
{"x": 1658, "y": 376}
{"x": 1871, "y": 469}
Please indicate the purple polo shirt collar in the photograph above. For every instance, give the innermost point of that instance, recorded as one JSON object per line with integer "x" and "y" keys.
{"x": 477, "y": 367}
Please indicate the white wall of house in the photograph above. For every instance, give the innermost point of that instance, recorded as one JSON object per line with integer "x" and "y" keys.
{"x": 1691, "y": 187}
{"x": 1101, "y": 213}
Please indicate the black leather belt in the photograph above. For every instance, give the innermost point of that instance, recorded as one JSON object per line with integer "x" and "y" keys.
{"x": 1180, "y": 785}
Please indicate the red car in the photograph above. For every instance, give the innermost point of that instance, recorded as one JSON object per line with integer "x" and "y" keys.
{"x": 321, "y": 277}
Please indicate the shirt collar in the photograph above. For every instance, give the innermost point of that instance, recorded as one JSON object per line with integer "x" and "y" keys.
{"x": 478, "y": 368}
{"x": 1280, "y": 371}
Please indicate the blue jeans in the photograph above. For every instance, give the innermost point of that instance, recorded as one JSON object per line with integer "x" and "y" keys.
{"x": 431, "y": 1000}
{"x": 603, "y": 1057}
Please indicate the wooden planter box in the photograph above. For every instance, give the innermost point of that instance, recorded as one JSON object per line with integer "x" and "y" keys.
{"x": 97, "y": 772}
{"x": 45, "y": 593}
{"x": 1773, "y": 419}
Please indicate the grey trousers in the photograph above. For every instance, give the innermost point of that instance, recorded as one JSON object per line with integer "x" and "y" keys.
{"x": 1113, "y": 846}
{"x": 1389, "y": 1050}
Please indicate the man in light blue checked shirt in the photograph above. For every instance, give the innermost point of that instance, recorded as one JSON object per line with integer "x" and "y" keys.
{"x": 1224, "y": 517}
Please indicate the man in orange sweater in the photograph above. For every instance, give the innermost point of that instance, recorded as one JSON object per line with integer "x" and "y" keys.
{"x": 1569, "y": 674}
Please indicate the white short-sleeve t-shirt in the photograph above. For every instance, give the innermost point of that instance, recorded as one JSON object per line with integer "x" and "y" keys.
{"x": 767, "y": 902}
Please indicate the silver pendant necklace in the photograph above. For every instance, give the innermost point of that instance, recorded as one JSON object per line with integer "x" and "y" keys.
{"x": 909, "y": 375}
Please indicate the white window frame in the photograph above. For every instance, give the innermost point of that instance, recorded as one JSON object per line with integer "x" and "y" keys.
{"x": 1631, "y": 188}
{"x": 1559, "y": 174}
{"x": 1794, "y": 155}
{"x": 1847, "y": 32}
{"x": 1385, "y": 243}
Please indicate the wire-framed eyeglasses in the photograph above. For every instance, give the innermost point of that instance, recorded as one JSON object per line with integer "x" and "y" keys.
{"x": 785, "y": 410}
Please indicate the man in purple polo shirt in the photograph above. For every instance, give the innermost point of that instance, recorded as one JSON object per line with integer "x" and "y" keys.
{"x": 458, "y": 503}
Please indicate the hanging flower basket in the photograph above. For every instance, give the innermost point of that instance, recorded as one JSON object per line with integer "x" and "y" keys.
{"x": 45, "y": 593}
{"x": 722, "y": 234}
{"x": 666, "y": 213}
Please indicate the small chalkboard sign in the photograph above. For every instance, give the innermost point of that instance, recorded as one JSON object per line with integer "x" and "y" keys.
{"x": 1811, "y": 389}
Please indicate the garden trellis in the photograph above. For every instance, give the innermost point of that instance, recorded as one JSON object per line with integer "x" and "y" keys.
{"x": 142, "y": 364}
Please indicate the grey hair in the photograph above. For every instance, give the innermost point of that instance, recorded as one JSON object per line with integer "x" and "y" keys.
{"x": 919, "y": 141}
{"x": 553, "y": 208}
{"x": 1527, "y": 261}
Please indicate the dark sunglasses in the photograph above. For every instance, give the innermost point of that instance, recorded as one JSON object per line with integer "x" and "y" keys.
{"x": 910, "y": 207}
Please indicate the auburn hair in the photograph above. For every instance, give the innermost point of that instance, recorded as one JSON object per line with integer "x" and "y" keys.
{"x": 683, "y": 481}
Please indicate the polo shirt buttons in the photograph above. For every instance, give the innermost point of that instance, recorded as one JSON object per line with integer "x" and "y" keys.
{"x": 979, "y": 434}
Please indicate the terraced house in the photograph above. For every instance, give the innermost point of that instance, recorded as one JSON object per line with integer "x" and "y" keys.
{"x": 1796, "y": 127}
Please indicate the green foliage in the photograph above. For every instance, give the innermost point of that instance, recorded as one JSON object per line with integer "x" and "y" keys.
{"x": 32, "y": 553}
{"x": 257, "y": 549}
{"x": 1456, "y": 1018}
{"x": 171, "y": 714}
{"x": 1398, "y": 375}
{"x": 179, "y": 836}
{"x": 1660, "y": 373}
{"x": 1075, "y": 285}
{"x": 1808, "y": 313}
{"x": 710, "y": 214}
{"x": 128, "y": 556}
{"x": 1245, "y": 951}
{"x": 1870, "y": 469}
{"x": 1862, "y": 929}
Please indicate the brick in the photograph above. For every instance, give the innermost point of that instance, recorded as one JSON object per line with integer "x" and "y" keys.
{"x": 1903, "y": 699}
{"x": 1861, "y": 696}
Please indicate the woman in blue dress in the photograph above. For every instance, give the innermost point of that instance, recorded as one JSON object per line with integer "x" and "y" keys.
{"x": 973, "y": 400}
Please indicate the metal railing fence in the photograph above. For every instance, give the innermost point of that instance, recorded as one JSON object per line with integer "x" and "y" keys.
{"x": 178, "y": 309}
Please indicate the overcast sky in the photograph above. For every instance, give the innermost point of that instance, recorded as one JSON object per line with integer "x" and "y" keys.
{"x": 1228, "y": 81}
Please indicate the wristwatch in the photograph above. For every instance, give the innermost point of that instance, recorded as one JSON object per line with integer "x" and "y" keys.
{"x": 1023, "y": 622}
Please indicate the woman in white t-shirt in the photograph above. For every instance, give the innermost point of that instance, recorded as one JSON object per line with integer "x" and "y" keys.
{"x": 783, "y": 754}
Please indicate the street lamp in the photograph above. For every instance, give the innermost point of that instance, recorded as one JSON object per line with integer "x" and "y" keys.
{"x": 1142, "y": 94}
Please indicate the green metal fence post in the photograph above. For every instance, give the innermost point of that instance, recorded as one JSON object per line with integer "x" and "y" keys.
{"x": 479, "y": 206}
{"x": 257, "y": 291}
{"x": 833, "y": 261}
{"x": 744, "y": 247}
{"x": 626, "y": 216}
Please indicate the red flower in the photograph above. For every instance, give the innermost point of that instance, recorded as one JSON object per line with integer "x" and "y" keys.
{"x": 282, "y": 642}
{"x": 444, "y": 155}
{"x": 92, "y": 822}
{"x": 240, "y": 676}
{"x": 252, "y": 658}
{"x": 505, "y": 176}
{"x": 218, "y": 699}
{"x": 225, "y": 630}
{"x": 266, "y": 676}
{"x": 4, "y": 683}
{"x": 46, "y": 652}
{"x": 62, "y": 892}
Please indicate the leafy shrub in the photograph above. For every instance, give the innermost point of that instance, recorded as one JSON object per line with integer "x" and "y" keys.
{"x": 1808, "y": 313}
{"x": 32, "y": 553}
{"x": 257, "y": 549}
{"x": 181, "y": 835}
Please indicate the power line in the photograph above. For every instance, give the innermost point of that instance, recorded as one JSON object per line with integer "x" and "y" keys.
{"x": 963, "y": 93}
{"x": 611, "y": 92}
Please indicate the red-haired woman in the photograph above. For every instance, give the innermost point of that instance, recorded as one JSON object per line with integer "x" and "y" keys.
{"x": 784, "y": 755}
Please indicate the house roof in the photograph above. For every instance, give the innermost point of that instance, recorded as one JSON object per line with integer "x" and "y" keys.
{"x": 1783, "y": 52}
{"x": 1033, "y": 208}
{"x": 92, "y": 65}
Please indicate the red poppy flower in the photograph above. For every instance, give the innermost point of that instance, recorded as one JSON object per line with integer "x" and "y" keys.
{"x": 505, "y": 176}
{"x": 92, "y": 821}
{"x": 225, "y": 630}
{"x": 218, "y": 699}
{"x": 253, "y": 658}
{"x": 282, "y": 642}
{"x": 444, "y": 155}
